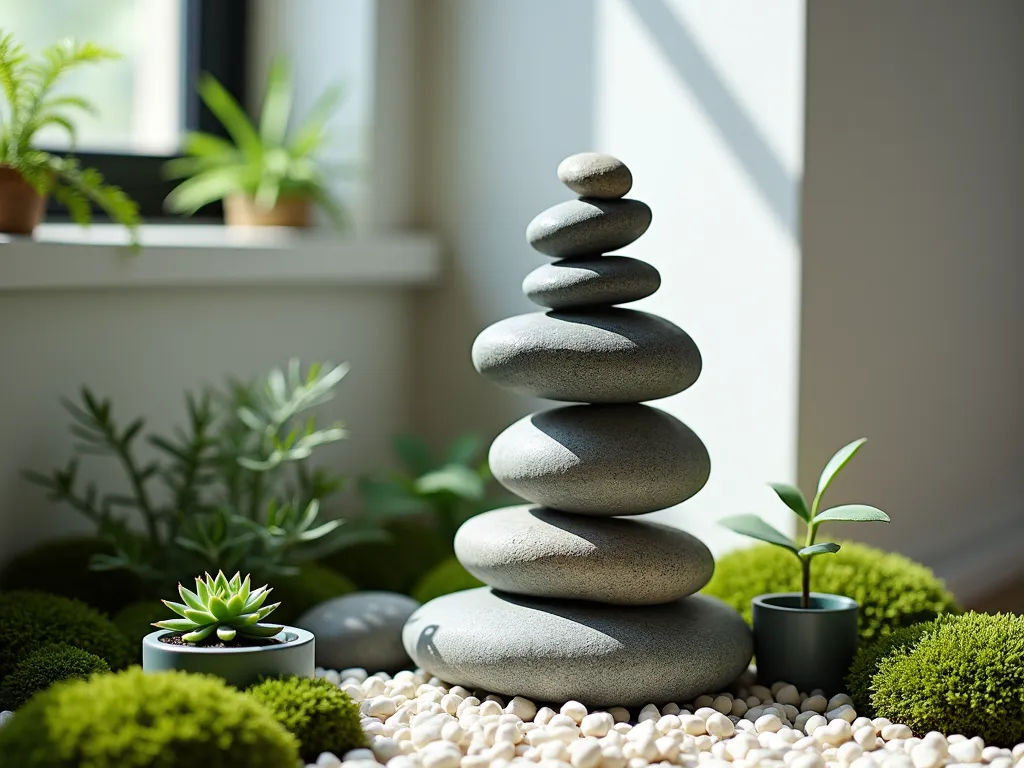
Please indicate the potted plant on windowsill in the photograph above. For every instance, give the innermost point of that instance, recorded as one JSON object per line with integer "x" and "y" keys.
{"x": 265, "y": 175}
{"x": 806, "y": 638}
{"x": 28, "y": 175}
{"x": 221, "y": 630}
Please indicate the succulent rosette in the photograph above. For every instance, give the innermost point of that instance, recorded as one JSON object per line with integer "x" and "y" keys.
{"x": 228, "y": 607}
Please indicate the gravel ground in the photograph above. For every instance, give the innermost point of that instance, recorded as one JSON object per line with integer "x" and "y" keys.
{"x": 415, "y": 721}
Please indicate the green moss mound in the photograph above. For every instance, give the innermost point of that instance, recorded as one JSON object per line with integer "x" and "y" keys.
{"x": 892, "y": 590}
{"x": 32, "y": 620}
{"x": 61, "y": 567}
{"x": 320, "y": 716}
{"x": 138, "y": 720}
{"x": 865, "y": 663}
{"x": 965, "y": 676}
{"x": 312, "y": 585}
{"x": 447, "y": 577}
{"x": 38, "y": 671}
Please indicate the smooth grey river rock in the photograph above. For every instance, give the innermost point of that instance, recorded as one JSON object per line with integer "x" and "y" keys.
{"x": 601, "y": 460}
{"x": 575, "y": 283}
{"x": 588, "y": 227}
{"x": 607, "y": 355}
{"x": 595, "y": 174}
{"x": 363, "y": 629}
{"x": 554, "y": 650}
{"x": 529, "y": 550}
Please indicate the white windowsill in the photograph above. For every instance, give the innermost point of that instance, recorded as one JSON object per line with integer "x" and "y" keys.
{"x": 63, "y": 256}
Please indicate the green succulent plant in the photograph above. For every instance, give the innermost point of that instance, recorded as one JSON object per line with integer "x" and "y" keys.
{"x": 228, "y": 607}
{"x": 756, "y": 528}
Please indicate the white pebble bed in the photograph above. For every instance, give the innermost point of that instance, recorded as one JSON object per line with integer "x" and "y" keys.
{"x": 413, "y": 720}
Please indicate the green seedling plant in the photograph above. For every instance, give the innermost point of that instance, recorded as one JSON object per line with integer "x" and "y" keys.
{"x": 28, "y": 84}
{"x": 264, "y": 161}
{"x": 756, "y": 528}
{"x": 228, "y": 607}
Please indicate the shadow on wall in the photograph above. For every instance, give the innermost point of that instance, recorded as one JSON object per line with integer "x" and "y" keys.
{"x": 740, "y": 133}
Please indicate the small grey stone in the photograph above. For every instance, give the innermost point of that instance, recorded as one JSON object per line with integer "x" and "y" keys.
{"x": 602, "y": 460}
{"x": 607, "y": 355}
{"x": 535, "y": 551}
{"x": 588, "y": 227}
{"x": 595, "y": 174}
{"x": 363, "y": 629}
{"x": 572, "y": 283}
{"x": 554, "y": 650}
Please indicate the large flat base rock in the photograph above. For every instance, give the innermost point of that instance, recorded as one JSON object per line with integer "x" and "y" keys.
{"x": 551, "y": 650}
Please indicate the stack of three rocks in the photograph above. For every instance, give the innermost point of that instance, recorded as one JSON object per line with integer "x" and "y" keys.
{"x": 582, "y": 603}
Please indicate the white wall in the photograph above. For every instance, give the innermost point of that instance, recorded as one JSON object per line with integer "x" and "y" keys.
{"x": 913, "y": 270}
{"x": 704, "y": 102}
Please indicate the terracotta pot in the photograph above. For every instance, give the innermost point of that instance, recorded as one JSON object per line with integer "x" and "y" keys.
{"x": 242, "y": 211}
{"x": 21, "y": 207}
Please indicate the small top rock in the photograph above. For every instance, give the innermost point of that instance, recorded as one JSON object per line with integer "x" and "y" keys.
{"x": 593, "y": 174}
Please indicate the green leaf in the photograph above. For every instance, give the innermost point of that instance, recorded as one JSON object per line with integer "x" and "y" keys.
{"x": 792, "y": 498}
{"x": 414, "y": 453}
{"x": 464, "y": 449}
{"x": 202, "y": 591}
{"x": 819, "y": 549}
{"x": 756, "y": 528}
{"x": 261, "y": 630}
{"x": 235, "y": 605}
{"x": 226, "y": 634}
{"x": 220, "y": 584}
{"x": 178, "y": 608}
{"x": 191, "y": 599}
{"x": 208, "y": 145}
{"x": 231, "y": 115}
{"x": 201, "y": 617}
{"x": 310, "y": 134}
{"x": 853, "y": 513}
{"x": 836, "y": 463}
{"x": 453, "y": 478}
{"x": 199, "y": 635}
{"x": 219, "y": 608}
{"x": 175, "y": 625}
{"x": 277, "y": 104}
{"x": 205, "y": 188}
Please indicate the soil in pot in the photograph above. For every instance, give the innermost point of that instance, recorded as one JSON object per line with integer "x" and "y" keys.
{"x": 215, "y": 642}
{"x": 242, "y": 211}
{"x": 21, "y": 207}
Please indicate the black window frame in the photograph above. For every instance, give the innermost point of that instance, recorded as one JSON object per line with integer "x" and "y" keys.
{"x": 216, "y": 40}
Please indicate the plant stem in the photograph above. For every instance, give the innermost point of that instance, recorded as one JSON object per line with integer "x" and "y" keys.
{"x": 139, "y": 487}
{"x": 805, "y": 563}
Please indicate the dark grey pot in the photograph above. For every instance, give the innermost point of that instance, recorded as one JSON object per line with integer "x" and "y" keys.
{"x": 240, "y": 667}
{"x": 808, "y": 647}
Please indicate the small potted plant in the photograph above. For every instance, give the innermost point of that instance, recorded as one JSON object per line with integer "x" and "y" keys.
{"x": 806, "y": 638}
{"x": 220, "y": 630}
{"x": 28, "y": 175}
{"x": 265, "y": 176}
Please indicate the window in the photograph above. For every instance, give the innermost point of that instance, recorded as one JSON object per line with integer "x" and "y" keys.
{"x": 147, "y": 100}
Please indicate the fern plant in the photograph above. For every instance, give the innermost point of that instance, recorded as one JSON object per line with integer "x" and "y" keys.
{"x": 28, "y": 84}
{"x": 232, "y": 491}
{"x": 265, "y": 162}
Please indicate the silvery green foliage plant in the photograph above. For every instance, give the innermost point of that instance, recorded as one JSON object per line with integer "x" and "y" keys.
{"x": 755, "y": 527}
{"x": 229, "y": 607}
{"x": 233, "y": 490}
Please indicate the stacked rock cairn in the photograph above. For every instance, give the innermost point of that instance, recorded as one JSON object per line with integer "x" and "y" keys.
{"x": 583, "y": 601}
